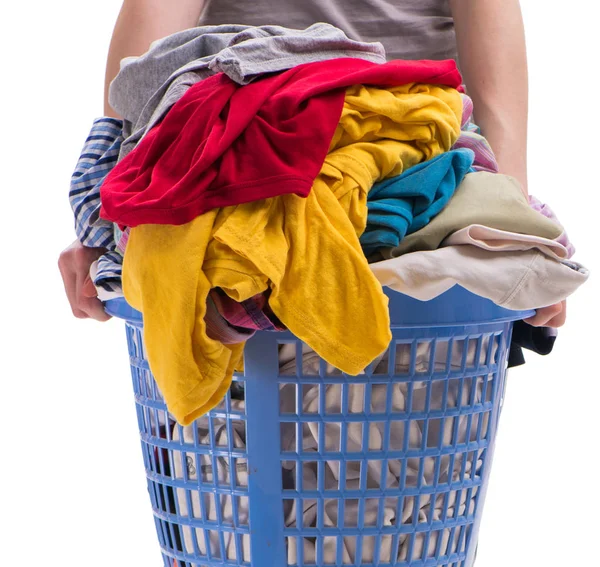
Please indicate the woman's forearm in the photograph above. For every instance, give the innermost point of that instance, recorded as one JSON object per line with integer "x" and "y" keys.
{"x": 493, "y": 61}
{"x": 141, "y": 22}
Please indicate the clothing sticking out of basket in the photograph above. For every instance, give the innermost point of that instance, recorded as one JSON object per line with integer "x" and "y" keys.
{"x": 515, "y": 273}
{"x": 199, "y": 255}
{"x": 99, "y": 156}
{"x": 224, "y": 201}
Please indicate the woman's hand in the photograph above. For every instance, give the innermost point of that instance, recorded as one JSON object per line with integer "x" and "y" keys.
{"x": 551, "y": 316}
{"x": 74, "y": 265}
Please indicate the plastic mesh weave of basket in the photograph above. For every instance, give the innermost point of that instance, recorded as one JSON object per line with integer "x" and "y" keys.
{"x": 303, "y": 465}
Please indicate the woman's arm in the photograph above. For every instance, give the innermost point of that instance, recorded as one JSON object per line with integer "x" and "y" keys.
{"x": 493, "y": 61}
{"x": 141, "y": 22}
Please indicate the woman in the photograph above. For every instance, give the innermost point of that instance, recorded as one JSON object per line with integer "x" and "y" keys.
{"x": 486, "y": 37}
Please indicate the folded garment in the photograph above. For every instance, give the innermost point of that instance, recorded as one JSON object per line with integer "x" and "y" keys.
{"x": 471, "y": 138}
{"x": 147, "y": 86}
{"x": 540, "y": 340}
{"x": 404, "y": 204}
{"x": 485, "y": 160}
{"x": 502, "y": 240}
{"x": 253, "y": 314}
{"x": 489, "y": 199}
{"x": 305, "y": 250}
{"x": 223, "y": 144}
{"x": 521, "y": 280}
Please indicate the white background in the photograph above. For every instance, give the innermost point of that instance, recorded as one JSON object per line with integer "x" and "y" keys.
{"x": 72, "y": 481}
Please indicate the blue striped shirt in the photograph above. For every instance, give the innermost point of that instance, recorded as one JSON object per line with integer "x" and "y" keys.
{"x": 98, "y": 156}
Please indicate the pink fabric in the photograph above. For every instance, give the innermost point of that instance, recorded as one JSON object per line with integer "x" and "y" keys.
{"x": 253, "y": 314}
{"x": 122, "y": 244}
{"x": 471, "y": 138}
{"x": 496, "y": 240}
{"x": 467, "y": 114}
{"x": 218, "y": 329}
{"x": 545, "y": 210}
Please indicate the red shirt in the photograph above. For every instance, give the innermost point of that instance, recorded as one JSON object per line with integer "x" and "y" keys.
{"x": 224, "y": 144}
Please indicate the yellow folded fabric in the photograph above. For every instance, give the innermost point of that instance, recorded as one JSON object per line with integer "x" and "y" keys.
{"x": 305, "y": 250}
{"x": 161, "y": 267}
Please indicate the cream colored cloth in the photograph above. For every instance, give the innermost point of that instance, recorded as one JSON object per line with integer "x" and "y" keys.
{"x": 496, "y": 240}
{"x": 517, "y": 280}
{"x": 489, "y": 199}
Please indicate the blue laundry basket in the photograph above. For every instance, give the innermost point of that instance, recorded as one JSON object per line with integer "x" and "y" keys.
{"x": 303, "y": 465}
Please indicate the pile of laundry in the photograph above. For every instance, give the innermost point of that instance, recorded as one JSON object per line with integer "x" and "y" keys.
{"x": 265, "y": 178}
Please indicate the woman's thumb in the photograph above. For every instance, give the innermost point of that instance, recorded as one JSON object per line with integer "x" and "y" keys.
{"x": 88, "y": 289}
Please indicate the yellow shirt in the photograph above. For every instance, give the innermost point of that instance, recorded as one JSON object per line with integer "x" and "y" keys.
{"x": 305, "y": 250}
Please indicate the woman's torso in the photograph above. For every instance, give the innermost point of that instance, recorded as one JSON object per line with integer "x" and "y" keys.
{"x": 408, "y": 29}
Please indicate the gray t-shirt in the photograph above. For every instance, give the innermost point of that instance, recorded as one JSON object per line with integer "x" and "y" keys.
{"x": 408, "y": 29}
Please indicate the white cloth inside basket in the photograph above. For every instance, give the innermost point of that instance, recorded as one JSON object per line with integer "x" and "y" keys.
{"x": 422, "y": 394}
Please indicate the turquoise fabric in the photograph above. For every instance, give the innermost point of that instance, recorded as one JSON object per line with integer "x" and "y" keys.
{"x": 404, "y": 204}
